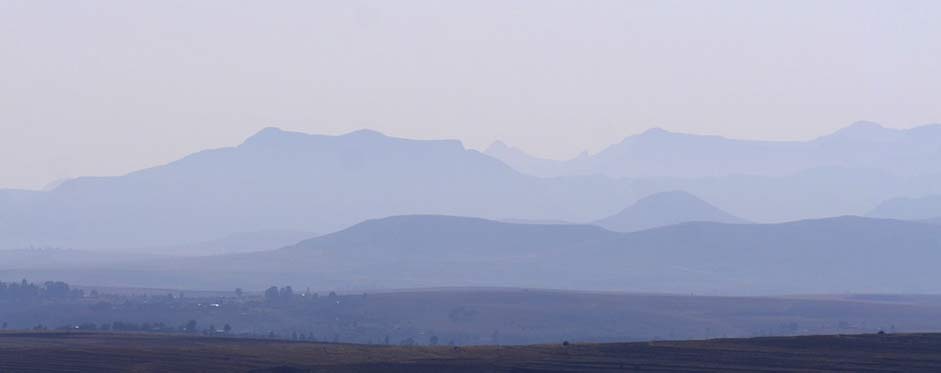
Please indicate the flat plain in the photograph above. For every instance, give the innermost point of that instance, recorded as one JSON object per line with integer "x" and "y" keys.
{"x": 123, "y": 352}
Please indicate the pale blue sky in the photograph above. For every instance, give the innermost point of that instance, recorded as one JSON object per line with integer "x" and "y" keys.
{"x": 106, "y": 87}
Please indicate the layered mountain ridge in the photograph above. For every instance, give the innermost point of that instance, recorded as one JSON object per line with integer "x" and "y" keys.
{"x": 661, "y": 153}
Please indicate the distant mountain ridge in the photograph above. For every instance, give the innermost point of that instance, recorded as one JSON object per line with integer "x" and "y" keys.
{"x": 288, "y": 181}
{"x": 521, "y": 161}
{"x": 666, "y": 208}
{"x": 920, "y": 208}
{"x": 660, "y": 153}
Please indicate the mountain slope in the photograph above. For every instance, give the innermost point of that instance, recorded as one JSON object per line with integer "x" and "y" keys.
{"x": 833, "y": 255}
{"x": 666, "y": 208}
{"x": 810, "y": 256}
{"x": 926, "y": 207}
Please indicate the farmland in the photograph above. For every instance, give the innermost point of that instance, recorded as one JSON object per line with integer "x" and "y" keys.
{"x": 106, "y": 352}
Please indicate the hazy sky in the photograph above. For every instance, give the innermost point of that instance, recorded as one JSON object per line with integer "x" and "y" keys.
{"x": 106, "y": 87}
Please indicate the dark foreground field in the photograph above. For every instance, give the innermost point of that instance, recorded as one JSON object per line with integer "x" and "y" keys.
{"x": 103, "y": 352}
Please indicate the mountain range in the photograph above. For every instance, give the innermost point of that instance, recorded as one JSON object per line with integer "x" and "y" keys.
{"x": 281, "y": 181}
{"x": 848, "y": 172}
{"x": 658, "y": 153}
{"x": 288, "y": 181}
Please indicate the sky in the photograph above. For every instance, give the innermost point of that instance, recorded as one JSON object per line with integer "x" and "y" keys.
{"x": 108, "y": 87}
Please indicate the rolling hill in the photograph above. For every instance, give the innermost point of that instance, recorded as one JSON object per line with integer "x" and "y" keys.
{"x": 836, "y": 255}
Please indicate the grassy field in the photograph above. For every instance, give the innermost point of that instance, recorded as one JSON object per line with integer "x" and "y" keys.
{"x": 107, "y": 352}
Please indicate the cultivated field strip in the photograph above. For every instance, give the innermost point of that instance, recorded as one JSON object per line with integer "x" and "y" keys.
{"x": 122, "y": 352}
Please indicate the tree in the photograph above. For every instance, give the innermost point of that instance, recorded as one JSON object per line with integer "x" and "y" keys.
{"x": 190, "y": 326}
{"x": 272, "y": 294}
{"x": 287, "y": 294}
{"x": 4, "y": 327}
{"x": 57, "y": 289}
{"x": 227, "y": 328}
{"x": 433, "y": 341}
{"x": 238, "y": 292}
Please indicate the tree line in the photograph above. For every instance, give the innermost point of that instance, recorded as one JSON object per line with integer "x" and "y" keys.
{"x": 25, "y": 290}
